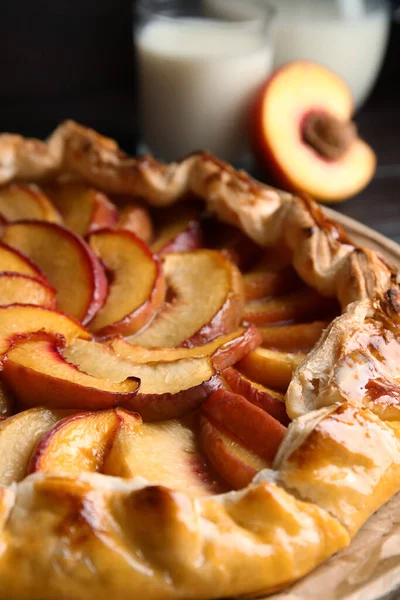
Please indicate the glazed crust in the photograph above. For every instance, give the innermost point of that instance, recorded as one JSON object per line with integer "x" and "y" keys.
{"x": 96, "y": 536}
{"x": 100, "y": 536}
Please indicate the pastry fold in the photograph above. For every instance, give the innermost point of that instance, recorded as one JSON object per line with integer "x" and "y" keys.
{"x": 97, "y": 536}
{"x": 342, "y": 458}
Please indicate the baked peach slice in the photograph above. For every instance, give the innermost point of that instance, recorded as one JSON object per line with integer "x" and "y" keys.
{"x": 235, "y": 463}
{"x": 167, "y": 389}
{"x": 12, "y": 260}
{"x": 24, "y": 320}
{"x": 22, "y": 201}
{"x": 236, "y": 245}
{"x": 135, "y": 217}
{"x": 268, "y": 400}
{"x": 78, "y": 443}
{"x": 19, "y": 435}
{"x": 256, "y": 429}
{"x": 180, "y": 230}
{"x": 300, "y": 337}
{"x": 6, "y": 401}
{"x": 84, "y": 209}
{"x": 270, "y": 368}
{"x": 302, "y": 133}
{"x": 25, "y": 289}
{"x": 162, "y": 453}
{"x": 36, "y": 372}
{"x": 66, "y": 260}
{"x": 137, "y": 285}
{"x": 259, "y": 284}
{"x": 224, "y": 351}
{"x": 298, "y": 305}
{"x": 272, "y": 275}
{"x": 192, "y": 315}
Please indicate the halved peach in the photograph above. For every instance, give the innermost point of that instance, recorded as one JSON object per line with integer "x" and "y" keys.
{"x": 18, "y": 437}
{"x": 137, "y": 287}
{"x": 167, "y": 389}
{"x": 25, "y": 289}
{"x": 225, "y": 350}
{"x": 193, "y": 315}
{"x": 254, "y": 427}
{"x": 180, "y": 230}
{"x": 235, "y": 463}
{"x": 300, "y": 304}
{"x": 84, "y": 209}
{"x": 12, "y": 260}
{"x": 270, "y": 368}
{"x": 22, "y": 201}
{"x": 135, "y": 217}
{"x": 66, "y": 260}
{"x": 37, "y": 374}
{"x": 293, "y": 338}
{"x": 301, "y": 132}
{"x": 257, "y": 394}
{"x": 23, "y": 320}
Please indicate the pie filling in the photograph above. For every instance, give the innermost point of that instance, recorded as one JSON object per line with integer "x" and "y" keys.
{"x": 190, "y": 341}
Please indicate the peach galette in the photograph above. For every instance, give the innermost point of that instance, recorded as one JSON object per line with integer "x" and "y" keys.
{"x": 196, "y": 401}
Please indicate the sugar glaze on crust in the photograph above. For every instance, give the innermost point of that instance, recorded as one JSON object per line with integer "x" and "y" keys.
{"x": 96, "y": 535}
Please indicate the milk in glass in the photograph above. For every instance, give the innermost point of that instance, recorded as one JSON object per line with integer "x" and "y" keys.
{"x": 197, "y": 79}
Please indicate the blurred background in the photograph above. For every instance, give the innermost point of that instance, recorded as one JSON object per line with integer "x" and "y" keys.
{"x": 65, "y": 59}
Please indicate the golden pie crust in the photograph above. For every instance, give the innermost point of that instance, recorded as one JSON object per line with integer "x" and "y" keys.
{"x": 96, "y": 536}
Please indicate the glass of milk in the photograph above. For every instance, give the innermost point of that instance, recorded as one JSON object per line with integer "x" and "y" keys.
{"x": 348, "y": 36}
{"x": 198, "y": 75}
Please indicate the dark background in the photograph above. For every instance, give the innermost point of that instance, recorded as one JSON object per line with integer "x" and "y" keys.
{"x": 67, "y": 59}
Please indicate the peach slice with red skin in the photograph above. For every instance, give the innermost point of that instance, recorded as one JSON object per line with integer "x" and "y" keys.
{"x": 19, "y": 435}
{"x": 78, "y": 443}
{"x": 137, "y": 287}
{"x": 66, "y": 260}
{"x": 22, "y": 201}
{"x": 6, "y": 401}
{"x": 225, "y": 350}
{"x": 24, "y": 320}
{"x": 163, "y": 453}
{"x": 136, "y": 218}
{"x": 25, "y": 289}
{"x": 167, "y": 389}
{"x": 270, "y": 368}
{"x": 84, "y": 209}
{"x": 12, "y": 260}
{"x": 230, "y": 240}
{"x": 236, "y": 464}
{"x": 300, "y": 337}
{"x": 256, "y": 394}
{"x": 301, "y": 132}
{"x": 180, "y": 231}
{"x": 298, "y": 305}
{"x": 36, "y": 372}
{"x": 201, "y": 316}
{"x": 255, "y": 428}
{"x": 259, "y": 284}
